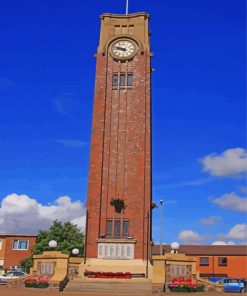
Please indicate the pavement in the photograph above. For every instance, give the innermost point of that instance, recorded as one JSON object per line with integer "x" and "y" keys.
{"x": 7, "y": 291}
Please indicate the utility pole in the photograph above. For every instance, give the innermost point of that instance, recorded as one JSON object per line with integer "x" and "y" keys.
{"x": 161, "y": 227}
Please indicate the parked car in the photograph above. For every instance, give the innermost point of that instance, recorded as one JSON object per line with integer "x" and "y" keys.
{"x": 11, "y": 275}
{"x": 232, "y": 285}
{"x": 222, "y": 281}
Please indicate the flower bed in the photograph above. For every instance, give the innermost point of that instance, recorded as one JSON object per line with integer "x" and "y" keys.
{"x": 185, "y": 285}
{"x": 40, "y": 282}
{"x": 108, "y": 275}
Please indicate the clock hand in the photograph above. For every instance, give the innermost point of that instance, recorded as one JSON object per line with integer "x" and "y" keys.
{"x": 121, "y": 48}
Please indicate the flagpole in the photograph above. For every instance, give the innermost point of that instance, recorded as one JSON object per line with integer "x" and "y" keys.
{"x": 127, "y": 6}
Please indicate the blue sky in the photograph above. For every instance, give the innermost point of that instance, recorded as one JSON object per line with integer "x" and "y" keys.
{"x": 198, "y": 98}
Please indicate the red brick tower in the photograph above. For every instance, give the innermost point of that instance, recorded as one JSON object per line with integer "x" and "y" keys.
{"x": 119, "y": 184}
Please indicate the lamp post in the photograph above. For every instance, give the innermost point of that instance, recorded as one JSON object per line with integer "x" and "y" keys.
{"x": 161, "y": 227}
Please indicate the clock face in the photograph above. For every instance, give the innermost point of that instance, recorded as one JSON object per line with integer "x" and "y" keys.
{"x": 123, "y": 49}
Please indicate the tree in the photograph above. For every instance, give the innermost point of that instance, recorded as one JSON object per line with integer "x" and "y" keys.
{"x": 67, "y": 235}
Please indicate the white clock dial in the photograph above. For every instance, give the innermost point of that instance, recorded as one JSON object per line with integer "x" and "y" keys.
{"x": 123, "y": 49}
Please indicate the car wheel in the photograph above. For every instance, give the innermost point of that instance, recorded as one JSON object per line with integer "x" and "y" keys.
{"x": 242, "y": 290}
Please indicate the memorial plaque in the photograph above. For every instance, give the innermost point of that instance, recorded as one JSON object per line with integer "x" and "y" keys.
{"x": 115, "y": 251}
{"x": 47, "y": 268}
{"x": 178, "y": 270}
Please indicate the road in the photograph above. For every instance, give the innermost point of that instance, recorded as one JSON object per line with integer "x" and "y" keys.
{"x": 7, "y": 291}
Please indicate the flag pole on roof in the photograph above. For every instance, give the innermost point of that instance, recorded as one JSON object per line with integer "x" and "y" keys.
{"x": 127, "y": 6}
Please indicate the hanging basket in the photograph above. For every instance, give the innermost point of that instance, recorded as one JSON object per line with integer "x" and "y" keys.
{"x": 118, "y": 204}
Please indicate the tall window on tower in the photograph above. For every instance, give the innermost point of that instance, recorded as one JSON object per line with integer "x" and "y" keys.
{"x": 109, "y": 227}
{"x": 117, "y": 228}
{"x": 115, "y": 81}
{"x": 122, "y": 80}
{"x": 130, "y": 79}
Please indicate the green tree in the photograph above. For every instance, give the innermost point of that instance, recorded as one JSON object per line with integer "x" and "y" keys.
{"x": 68, "y": 236}
{"x": 27, "y": 263}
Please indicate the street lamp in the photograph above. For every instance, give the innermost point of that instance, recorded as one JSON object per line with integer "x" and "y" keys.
{"x": 75, "y": 251}
{"x": 174, "y": 247}
{"x": 161, "y": 227}
{"x": 52, "y": 244}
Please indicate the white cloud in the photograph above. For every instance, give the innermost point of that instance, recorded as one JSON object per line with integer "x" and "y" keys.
{"x": 223, "y": 243}
{"x": 231, "y": 201}
{"x": 210, "y": 220}
{"x": 190, "y": 237}
{"x": 239, "y": 232}
{"x": 25, "y": 215}
{"x": 230, "y": 162}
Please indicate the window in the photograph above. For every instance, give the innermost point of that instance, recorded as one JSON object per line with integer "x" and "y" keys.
{"x": 117, "y": 227}
{"x": 204, "y": 261}
{"x": 115, "y": 81}
{"x": 20, "y": 245}
{"x": 122, "y": 80}
{"x": 125, "y": 227}
{"x": 1, "y": 244}
{"x": 130, "y": 79}
{"x": 109, "y": 227}
{"x": 222, "y": 261}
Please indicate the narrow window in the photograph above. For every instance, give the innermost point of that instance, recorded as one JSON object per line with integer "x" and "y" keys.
{"x": 117, "y": 227}
{"x": 125, "y": 227}
{"x": 1, "y": 244}
{"x": 115, "y": 81}
{"x": 109, "y": 227}
{"x": 130, "y": 79}
{"x": 204, "y": 261}
{"x": 122, "y": 80}
{"x": 23, "y": 245}
{"x": 15, "y": 244}
{"x": 222, "y": 261}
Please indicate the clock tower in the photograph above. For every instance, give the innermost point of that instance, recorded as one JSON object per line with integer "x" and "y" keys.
{"x": 119, "y": 182}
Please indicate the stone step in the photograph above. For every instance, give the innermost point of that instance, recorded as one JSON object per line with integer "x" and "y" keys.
{"x": 111, "y": 281}
{"x": 109, "y": 287}
{"x": 108, "y": 292}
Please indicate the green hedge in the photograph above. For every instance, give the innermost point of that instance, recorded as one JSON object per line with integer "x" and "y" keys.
{"x": 37, "y": 285}
{"x": 187, "y": 289}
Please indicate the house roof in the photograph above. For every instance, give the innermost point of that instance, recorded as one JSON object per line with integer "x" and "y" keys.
{"x": 17, "y": 234}
{"x": 200, "y": 250}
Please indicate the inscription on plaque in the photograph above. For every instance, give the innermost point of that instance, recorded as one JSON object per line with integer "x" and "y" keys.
{"x": 46, "y": 268}
{"x": 116, "y": 251}
{"x": 175, "y": 271}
